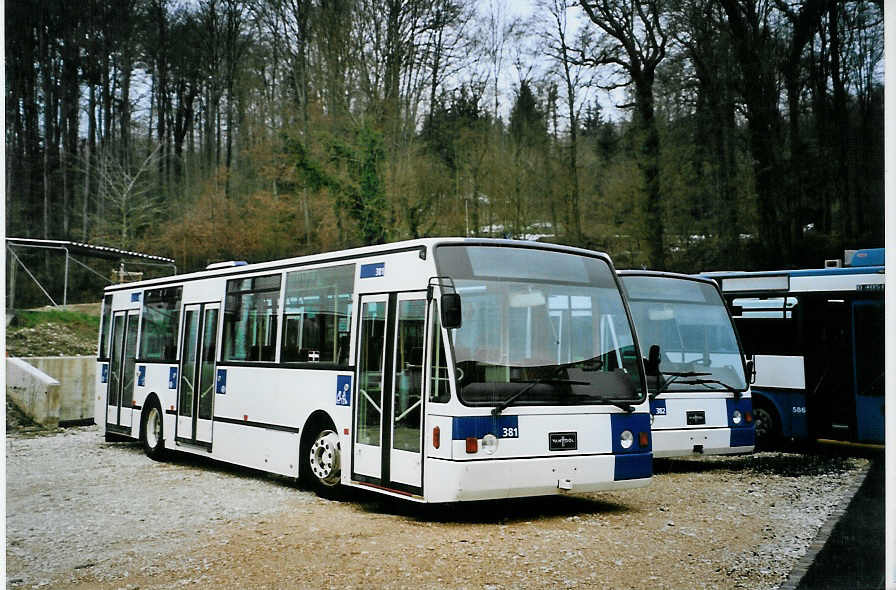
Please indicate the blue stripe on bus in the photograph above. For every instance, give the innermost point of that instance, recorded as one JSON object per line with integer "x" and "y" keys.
{"x": 635, "y": 423}
{"x": 743, "y": 437}
{"x": 633, "y": 466}
{"x": 463, "y": 427}
{"x": 743, "y": 434}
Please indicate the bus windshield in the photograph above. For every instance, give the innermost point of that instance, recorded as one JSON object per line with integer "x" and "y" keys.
{"x": 688, "y": 321}
{"x": 539, "y": 327}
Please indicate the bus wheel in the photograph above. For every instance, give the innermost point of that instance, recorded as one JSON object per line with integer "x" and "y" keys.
{"x": 151, "y": 433}
{"x": 324, "y": 460}
{"x": 767, "y": 427}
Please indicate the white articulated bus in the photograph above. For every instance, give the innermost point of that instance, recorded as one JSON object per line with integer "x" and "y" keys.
{"x": 437, "y": 370}
{"x": 699, "y": 394}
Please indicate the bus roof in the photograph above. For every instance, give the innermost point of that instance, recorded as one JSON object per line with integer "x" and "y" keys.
{"x": 422, "y": 245}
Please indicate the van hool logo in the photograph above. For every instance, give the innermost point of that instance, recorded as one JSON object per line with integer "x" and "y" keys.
{"x": 563, "y": 441}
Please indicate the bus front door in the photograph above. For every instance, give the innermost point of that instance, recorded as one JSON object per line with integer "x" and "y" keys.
{"x": 196, "y": 389}
{"x": 120, "y": 391}
{"x": 388, "y": 404}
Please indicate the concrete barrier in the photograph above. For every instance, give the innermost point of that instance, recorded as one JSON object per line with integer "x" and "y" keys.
{"x": 35, "y": 392}
{"x": 73, "y": 397}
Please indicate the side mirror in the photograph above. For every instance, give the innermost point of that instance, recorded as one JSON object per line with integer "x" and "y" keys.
{"x": 451, "y": 315}
{"x": 652, "y": 366}
{"x": 751, "y": 371}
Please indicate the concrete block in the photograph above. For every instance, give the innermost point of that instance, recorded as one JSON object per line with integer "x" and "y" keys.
{"x": 35, "y": 392}
{"x": 77, "y": 378}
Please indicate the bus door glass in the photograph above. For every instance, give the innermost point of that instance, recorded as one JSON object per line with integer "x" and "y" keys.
{"x": 197, "y": 374}
{"x": 120, "y": 393}
{"x": 367, "y": 452}
{"x": 868, "y": 367}
{"x": 405, "y": 464}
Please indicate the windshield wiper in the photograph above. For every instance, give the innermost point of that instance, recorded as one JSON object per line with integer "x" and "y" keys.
{"x": 664, "y": 384}
{"x": 500, "y": 407}
{"x": 621, "y": 405}
{"x": 707, "y": 382}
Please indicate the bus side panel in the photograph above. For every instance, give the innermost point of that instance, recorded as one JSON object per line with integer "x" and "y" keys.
{"x": 791, "y": 409}
{"x": 272, "y": 402}
{"x": 274, "y": 451}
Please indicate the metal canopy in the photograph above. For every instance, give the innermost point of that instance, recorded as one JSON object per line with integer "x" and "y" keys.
{"x": 79, "y": 248}
{"x": 86, "y": 249}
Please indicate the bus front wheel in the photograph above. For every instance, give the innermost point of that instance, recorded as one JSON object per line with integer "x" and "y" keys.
{"x": 324, "y": 462}
{"x": 151, "y": 433}
{"x": 768, "y": 429}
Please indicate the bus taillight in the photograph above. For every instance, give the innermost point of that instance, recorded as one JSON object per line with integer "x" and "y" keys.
{"x": 643, "y": 439}
{"x": 472, "y": 444}
{"x": 436, "y": 437}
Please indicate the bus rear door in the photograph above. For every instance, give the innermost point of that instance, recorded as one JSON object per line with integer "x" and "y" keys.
{"x": 120, "y": 390}
{"x": 197, "y": 375}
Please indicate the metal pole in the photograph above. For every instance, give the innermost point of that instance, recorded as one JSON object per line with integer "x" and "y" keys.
{"x": 11, "y": 300}
{"x": 65, "y": 283}
{"x": 39, "y": 286}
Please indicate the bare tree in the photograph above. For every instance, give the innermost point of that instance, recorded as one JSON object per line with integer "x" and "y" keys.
{"x": 634, "y": 42}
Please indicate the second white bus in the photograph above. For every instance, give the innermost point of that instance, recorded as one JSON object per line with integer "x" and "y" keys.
{"x": 699, "y": 393}
{"x": 436, "y": 370}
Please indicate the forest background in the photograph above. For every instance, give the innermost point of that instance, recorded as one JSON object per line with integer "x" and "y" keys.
{"x": 685, "y": 135}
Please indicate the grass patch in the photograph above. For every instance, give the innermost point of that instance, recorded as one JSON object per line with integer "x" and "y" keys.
{"x": 75, "y": 319}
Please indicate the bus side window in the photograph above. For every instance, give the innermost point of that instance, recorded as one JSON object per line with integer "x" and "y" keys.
{"x": 439, "y": 390}
{"x": 250, "y": 319}
{"x": 767, "y": 325}
{"x": 317, "y": 313}
{"x": 159, "y": 323}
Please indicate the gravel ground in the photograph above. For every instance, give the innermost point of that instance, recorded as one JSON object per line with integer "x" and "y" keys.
{"x": 82, "y": 513}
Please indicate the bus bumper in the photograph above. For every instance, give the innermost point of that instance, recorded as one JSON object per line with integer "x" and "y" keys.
{"x": 452, "y": 481}
{"x": 701, "y": 441}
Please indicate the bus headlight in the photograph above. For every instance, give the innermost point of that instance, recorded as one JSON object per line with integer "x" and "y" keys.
{"x": 490, "y": 444}
{"x": 626, "y": 439}
{"x": 736, "y": 417}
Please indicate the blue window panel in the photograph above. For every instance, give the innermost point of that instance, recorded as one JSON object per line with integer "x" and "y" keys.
{"x": 141, "y": 376}
{"x": 372, "y": 271}
{"x": 104, "y": 373}
{"x": 172, "y": 378}
{"x": 135, "y": 297}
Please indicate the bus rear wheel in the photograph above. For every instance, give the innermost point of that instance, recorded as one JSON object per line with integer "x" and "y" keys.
{"x": 324, "y": 461}
{"x": 767, "y": 427}
{"x": 151, "y": 433}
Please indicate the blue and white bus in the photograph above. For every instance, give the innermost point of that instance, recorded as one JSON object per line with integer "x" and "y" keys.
{"x": 436, "y": 370}
{"x": 696, "y": 375}
{"x": 816, "y": 337}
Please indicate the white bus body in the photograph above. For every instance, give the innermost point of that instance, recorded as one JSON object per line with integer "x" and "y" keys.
{"x": 704, "y": 404}
{"x": 337, "y": 367}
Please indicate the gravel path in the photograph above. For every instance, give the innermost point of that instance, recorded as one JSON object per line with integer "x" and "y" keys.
{"x": 82, "y": 513}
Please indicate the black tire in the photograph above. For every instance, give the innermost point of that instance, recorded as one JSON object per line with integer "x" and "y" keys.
{"x": 321, "y": 462}
{"x": 152, "y": 431}
{"x": 767, "y": 425}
